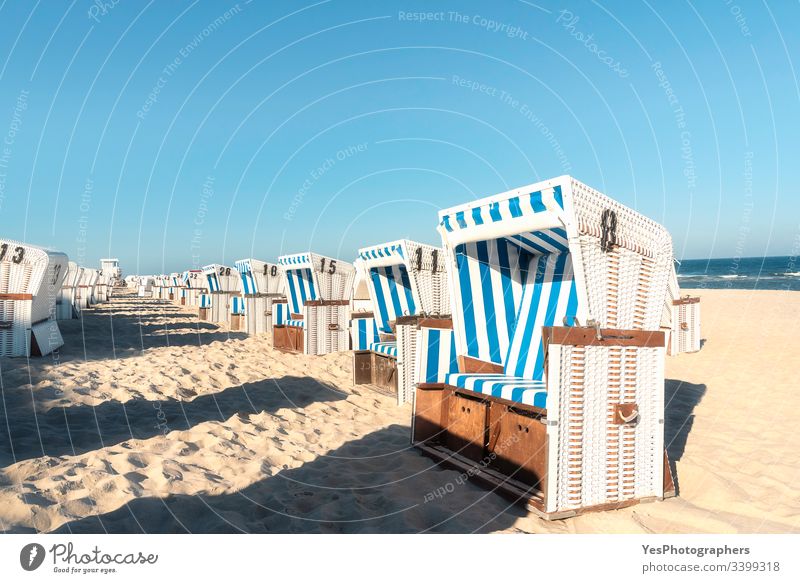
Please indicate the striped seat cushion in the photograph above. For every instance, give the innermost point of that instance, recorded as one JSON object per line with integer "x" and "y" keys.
{"x": 296, "y": 323}
{"x": 515, "y": 389}
{"x": 387, "y": 348}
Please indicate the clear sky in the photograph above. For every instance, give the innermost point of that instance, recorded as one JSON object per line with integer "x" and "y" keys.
{"x": 180, "y": 133}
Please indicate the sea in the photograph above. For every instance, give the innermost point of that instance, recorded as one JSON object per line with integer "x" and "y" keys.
{"x": 776, "y": 273}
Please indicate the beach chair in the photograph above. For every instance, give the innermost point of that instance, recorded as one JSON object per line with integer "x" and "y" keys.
{"x": 65, "y": 304}
{"x": 101, "y": 287}
{"x": 315, "y": 318}
{"x": 407, "y": 282}
{"x": 262, "y": 284}
{"x": 175, "y": 287}
{"x": 30, "y": 281}
{"x": 145, "y": 286}
{"x": 86, "y": 286}
{"x": 92, "y": 279}
{"x": 223, "y": 283}
{"x": 681, "y": 320}
{"x": 193, "y": 285}
{"x": 549, "y": 387}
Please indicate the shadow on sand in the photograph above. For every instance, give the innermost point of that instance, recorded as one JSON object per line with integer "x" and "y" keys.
{"x": 79, "y": 429}
{"x": 680, "y": 399}
{"x": 374, "y": 484}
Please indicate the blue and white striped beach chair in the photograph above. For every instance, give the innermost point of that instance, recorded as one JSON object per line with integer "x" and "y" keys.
{"x": 194, "y": 283}
{"x": 318, "y": 293}
{"x": 223, "y": 283}
{"x": 564, "y": 416}
{"x": 406, "y": 282}
{"x": 30, "y": 282}
{"x": 262, "y": 284}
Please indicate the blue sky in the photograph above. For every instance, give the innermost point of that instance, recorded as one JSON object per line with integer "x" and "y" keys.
{"x": 172, "y": 134}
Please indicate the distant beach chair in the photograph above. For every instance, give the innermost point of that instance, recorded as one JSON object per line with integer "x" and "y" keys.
{"x": 194, "y": 283}
{"x": 316, "y": 315}
{"x": 262, "y": 284}
{"x": 146, "y": 284}
{"x": 30, "y": 281}
{"x": 65, "y": 304}
{"x": 223, "y": 283}
{"x": 86, "y": 288}
{"x": 555, "y": 393}
{"x": 681, "y": 320}
{"x": 175, "y": 287}
{"x": 407, "y": 282}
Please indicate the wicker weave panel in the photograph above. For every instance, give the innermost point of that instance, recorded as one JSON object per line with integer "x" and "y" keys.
{"x": 599, "y": 461}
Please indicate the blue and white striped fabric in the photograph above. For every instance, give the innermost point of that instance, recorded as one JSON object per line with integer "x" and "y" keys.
{"x": 550, "y": 199}
{"x": 280, "y": 313}
{"x": 505, "y": 295}
{"x": 514, "y": 389}
{"x": 387, "y": 348}
{"x": 363, "y": 332}
{"x": 301, "y": 287}
{"x": 205, "y": 301}
{"x": 392, "y": 295}
{"x": 213, "y": 281}
{"x": 246, "y": 272}
{"x": 237, "y": 305}
{"x": 385, "y": 251}
{"x": 436, "y": 350}
{"x": 296, "y": 323}
{"x": 550, "y": 298}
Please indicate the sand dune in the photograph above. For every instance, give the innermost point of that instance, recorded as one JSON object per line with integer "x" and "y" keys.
{"x": 151, "y": 421}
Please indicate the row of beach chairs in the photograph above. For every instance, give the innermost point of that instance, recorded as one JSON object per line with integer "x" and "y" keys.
{"x": 531, "y": 343}
{"x": 38, "y": 287}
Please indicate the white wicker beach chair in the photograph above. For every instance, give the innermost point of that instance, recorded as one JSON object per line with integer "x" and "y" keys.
{"x": 65, "y": 304}
{"x": 146, "y": 285}
{"x": 223, "y": 282}
{"x": 681, "y": 319}
{"x": 407, "y": 281}
{"x": 30, "y": 281}
{"x": 556, "y": 394}
{"x": 262, "y": 284}
{"x": 318, "y": 293}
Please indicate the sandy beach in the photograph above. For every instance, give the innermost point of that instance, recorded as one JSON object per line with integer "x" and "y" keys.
{"x": 151, "y": 421}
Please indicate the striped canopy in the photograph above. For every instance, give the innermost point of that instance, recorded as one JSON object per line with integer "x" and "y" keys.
{"x": 504, "y": 208}
{"x": 308, "y": 276}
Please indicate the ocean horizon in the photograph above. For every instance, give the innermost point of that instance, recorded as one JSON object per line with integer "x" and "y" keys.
{"x": 752, "y": 273}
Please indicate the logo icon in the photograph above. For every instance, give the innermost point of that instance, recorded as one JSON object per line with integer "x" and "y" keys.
{"x": 31, "y": 556}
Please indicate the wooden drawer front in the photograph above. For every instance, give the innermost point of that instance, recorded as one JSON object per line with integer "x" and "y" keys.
{"x": 466, "y": 426}
{"x": 519, "y": 445}
{"x": 429, "y": 404}
{"x": 384, "y": 371}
